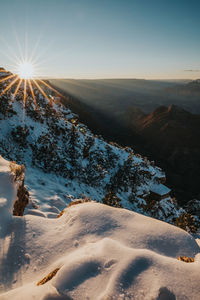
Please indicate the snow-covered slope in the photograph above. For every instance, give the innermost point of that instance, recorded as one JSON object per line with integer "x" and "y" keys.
{"x": 99, "y": 252}
{"x": 92, "y": 251}
{"x": 64, "y": 160}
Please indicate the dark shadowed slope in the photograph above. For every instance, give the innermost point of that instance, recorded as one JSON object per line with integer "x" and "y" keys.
{"x": 169, "y": 135}
{"x": 172, "y": 136}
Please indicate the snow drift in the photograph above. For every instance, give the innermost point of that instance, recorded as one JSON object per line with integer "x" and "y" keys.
{"x": 100, "y": 252}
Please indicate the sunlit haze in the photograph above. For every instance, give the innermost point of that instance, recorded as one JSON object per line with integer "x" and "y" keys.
{"x": 102, "y": 39}
{"x": 26, "y": 70}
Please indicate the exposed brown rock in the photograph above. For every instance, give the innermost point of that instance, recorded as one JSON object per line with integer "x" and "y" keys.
{"x": 18, "y": 173}
{"x": 22, "y": 200}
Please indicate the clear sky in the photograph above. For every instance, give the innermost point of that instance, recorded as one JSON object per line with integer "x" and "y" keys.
{"x": 103, "y": 39}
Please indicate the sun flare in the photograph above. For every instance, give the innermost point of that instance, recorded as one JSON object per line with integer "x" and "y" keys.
{"x": 26, "y": 70}
{"x": 25, "y": 80}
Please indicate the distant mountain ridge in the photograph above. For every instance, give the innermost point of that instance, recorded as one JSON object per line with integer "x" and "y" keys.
{"x": 190, "y": 89}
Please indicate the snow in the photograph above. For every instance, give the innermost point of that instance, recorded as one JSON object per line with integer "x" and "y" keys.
{"x": 160, "y": 189}
{"x": 48, "y": 177}
{"x": 102, "y": 253}
{"x": 7, "y": 195}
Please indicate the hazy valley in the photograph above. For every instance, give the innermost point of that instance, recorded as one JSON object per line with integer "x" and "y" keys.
{"x": 147, "y": 116}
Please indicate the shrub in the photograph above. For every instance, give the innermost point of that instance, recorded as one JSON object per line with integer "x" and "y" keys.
{"x": 187, "y": 222}
{"x": 111, "y": 199}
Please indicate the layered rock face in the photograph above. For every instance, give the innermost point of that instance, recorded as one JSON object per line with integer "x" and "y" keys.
{"x": 17, "y": 176}
{"x": 22, "y": 200}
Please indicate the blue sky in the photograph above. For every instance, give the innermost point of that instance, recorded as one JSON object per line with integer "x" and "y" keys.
{"x": 103, "y": 39}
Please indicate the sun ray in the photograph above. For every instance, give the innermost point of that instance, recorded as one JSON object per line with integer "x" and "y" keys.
{"x": 25, "y": 83}
{"x": 24, "y": 77}
{"x": 50, "y": 87}
{"x": 34, "y": 50}
{"x": 10, "y": 66}
{"x": 43, "y": 93}
{"x": 43, "y": 61}
{"x": 8, "y": 56}
{"x": 9, "y": 86}
{"x": 11, "y": 55}
{"x": 32, "y": 93}
{"x": 8, "y": 77}
{"x": 12, "y": 58}
{"x": 16, "y": 90}
{"x": 42, "y": 53}
{"x": 18, "y": 44}
{"x": 26, "y": 46}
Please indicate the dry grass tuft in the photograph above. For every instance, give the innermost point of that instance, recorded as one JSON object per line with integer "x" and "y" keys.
{"x": 61, "y": 213}
{"x": 186, "y": 259}
{"x": 48, "y": 277}
{"x": 18, "y": 171}
{"x": 75, "y": 203}
{"x": 84, "y": 200}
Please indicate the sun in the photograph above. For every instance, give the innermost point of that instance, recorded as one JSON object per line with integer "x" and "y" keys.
{"x": 25, "y": 79}
{"x": 26, "y": 70}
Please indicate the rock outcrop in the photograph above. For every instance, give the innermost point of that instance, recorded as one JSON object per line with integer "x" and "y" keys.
{"x": 21, "y": 201}
{"x": 18, "y": 173}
